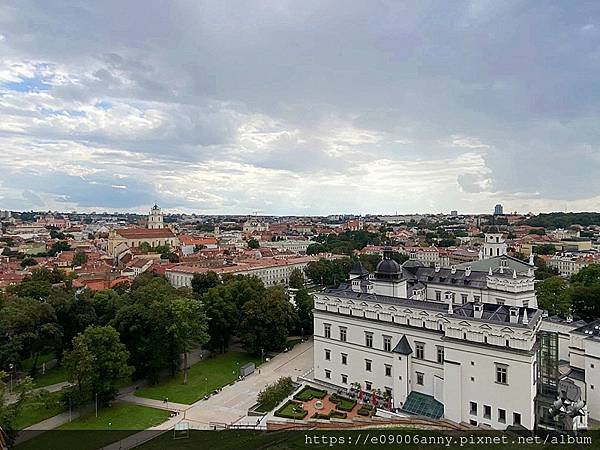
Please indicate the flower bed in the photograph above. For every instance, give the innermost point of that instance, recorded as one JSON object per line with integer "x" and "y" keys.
{"x": 343, "y": 403}
{"x": 332, "y": 415}
{"x": 308, "y": 393}
{"x": 291, "y": 410}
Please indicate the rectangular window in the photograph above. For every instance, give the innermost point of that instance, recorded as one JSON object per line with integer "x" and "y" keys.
{"x": 388, "y": 390}
{"x": 463, "y": 298}
{"x": 419, "y": 350}
{"x": 344, "y": 379}
{"x": 327, "y": 327}
{"x": 487, "y": 411}
{"x": 368, "y": 365}
{"x": 388, "y": 370}
{"x": 516, "y": 419}
{"x": 438, "y": 296}
{"x": 344, "y": 359}
{"x": 327, "y": 355}
{"x": 343, "y": 333}
{"x": 476, "y": 298}
{"x": 501, "y": 415}
{"x": 328, "y": 374}
{"x": 369, "y": 339}
{"x": 387, "y": 344}
{"x": 420, "y": 378}
{"x": 501, "y": 374}
{"x": 440, "y": 355}
{"x": 473, "y": 408}
{"x": 368, "y": 385}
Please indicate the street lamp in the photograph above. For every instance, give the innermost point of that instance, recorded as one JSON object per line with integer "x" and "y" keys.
{"x": 10, "y": 368}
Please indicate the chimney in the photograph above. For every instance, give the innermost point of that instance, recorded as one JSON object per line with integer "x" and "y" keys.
{"x": 478, "y": 310}
{"x": 514, "y": 274}
{"x": 453, "y": 269}
{"x": 490, "y": 271}
{"x": 514, "y": 314}
{"x": 531, "y": 258}
{"x": 525, "y": 317}
{"x": 468, "y": 271}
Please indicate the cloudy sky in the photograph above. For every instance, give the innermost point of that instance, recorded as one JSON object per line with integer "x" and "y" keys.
{"x": 300, "y": 107}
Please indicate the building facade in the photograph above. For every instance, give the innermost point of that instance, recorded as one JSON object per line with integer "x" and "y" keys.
{"x": 460, "y": 340}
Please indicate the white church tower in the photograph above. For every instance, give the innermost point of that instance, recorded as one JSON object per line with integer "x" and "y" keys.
{"x": 155, "y": 218}
{"x": 494, "y": 245}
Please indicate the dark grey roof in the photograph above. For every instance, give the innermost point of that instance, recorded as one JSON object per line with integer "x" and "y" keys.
{"x": 483, "y": 265}
{"x": 576, "y": 374}
{"x": 497, "y": 313}
{"x": 403, "y": 347}
{"x": 388, "y": 267}
{"x": 358, "y": 269}
{"x": 591, "y": 329}
{"x": 385, "y": 299}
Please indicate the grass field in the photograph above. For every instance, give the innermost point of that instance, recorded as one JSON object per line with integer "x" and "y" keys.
{"x": 55, "y": 375}
{"x": 203, "y": 377}
{"x": 90, "y": 432}
{"x": 36, "y": 410}
{"x": 298, "y": 440}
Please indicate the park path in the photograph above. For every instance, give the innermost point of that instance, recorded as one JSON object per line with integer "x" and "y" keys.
{"x": 152, "y": 403}
{"x": 230, "y": 406}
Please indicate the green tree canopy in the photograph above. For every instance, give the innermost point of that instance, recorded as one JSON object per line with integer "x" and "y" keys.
{"x": 253, "y": 243}
{"x": 96, "y": 363}
{"x": 267, "y": 321}
{"x": 552, "y": 294}
{"x": 202, "y": 282}
{"x": 297, "y": 279}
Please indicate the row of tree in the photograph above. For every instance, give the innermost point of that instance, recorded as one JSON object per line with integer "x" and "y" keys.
{"x": 579, "y": 296}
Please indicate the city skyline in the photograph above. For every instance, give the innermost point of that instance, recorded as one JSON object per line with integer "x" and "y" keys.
{"x": 232, "y": 108}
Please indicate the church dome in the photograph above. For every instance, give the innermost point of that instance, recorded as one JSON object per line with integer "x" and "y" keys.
{"x": 388, "y": 267}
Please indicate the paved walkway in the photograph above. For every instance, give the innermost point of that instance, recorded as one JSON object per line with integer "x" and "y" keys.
{"x": 152, "y": 403}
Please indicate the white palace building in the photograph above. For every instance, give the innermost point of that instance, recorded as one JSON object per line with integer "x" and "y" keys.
{"x": 460, "y": 343}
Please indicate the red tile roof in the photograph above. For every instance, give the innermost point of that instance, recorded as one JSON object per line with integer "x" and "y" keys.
{"x": 141, "y": 233}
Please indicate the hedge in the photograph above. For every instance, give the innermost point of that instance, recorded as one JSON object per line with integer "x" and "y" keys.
{"x": 343, "y": 403}
{"x": 308, "y": 393}
{"x": 291, "y": 410}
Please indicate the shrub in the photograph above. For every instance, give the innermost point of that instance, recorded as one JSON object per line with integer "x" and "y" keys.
{"x": 308, "y": 393}
{"x": 275, "y": 393}
{"x": 291, "y": 410}
{"x": 365, "y": 411}
{"x": 343, "y": 403}
{"x": 337, "y": 415}
{"x": 320, "y": 416}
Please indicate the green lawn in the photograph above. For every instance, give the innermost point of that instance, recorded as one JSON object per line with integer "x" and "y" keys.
{"x": 27, "y": 364}
{"x": 203, "y": 377}
{"x": 292, "y": 410}
{"x": 36, "y": 410}
{"x": 298, "y": 440}
{"x": 124, "y": 418}
{"x": 57, "y": 374}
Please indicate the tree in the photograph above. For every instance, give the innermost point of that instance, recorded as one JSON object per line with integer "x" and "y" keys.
{"x": 59, "y": 246}
{"x": 28, "y": 262}
{"x": 544, "y": 249}
{"x": 267, "y": 321}
{"x": 223, "y": 317}
{"x": 145, "y": 247}
{"x": 188, "y": 328}
{"x": 297, "y": 279}
{"x": 585, "y": 301}
{"x": 202, "y": 282}
{"x": 96, "y": 363}
{"x": 328, "y": 272}
{"x": 552, "y": 294}
{"x": 30, "y": 326}
{"x": 106, "y": 303}
{"x": 315, "y": 249}
{"x": 10, "y": 410}
{"x": 587, "y": 276}
{"x": 253, "y": 243}
{"x": 79, "y": 259}
{"x": 304, "y": 309}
